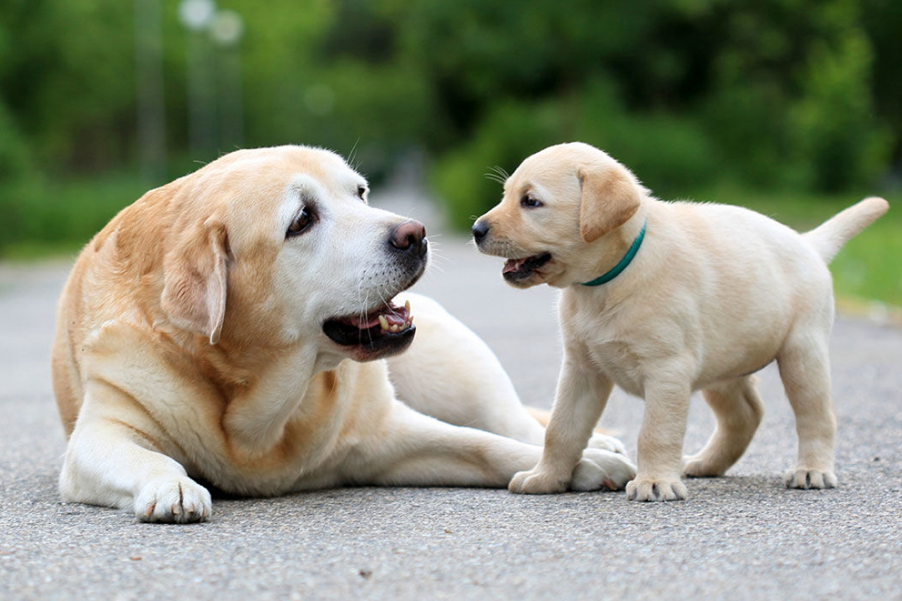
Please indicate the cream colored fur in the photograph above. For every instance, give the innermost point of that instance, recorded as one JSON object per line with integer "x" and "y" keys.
{"x": 714, "y": 294}
{"x": 190, "y": 347}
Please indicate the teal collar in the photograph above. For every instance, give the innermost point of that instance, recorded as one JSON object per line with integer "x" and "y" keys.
{"x": 624, "y": 262}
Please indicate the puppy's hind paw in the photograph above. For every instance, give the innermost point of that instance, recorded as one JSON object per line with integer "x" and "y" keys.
{"x": 806, "y": 479}
{"x": 700, "y": 467}
{"x": 646, "y": 488}
{"x": 176, "y": 500}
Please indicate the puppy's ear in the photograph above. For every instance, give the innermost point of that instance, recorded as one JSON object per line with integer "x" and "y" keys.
{"x": 195, "y": 279}
{"x": 609, "y": 199}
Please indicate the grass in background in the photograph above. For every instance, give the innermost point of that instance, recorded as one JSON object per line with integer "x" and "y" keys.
{"x": 58, "y": 217}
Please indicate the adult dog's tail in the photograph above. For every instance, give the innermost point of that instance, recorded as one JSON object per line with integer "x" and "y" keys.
{"x": 829, "y": 237}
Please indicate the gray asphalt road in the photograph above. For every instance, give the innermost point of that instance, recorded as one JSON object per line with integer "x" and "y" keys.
{"x": 743, "y": 537}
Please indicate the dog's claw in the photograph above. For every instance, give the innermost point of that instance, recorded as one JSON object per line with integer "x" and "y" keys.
{"x": 176, "y": 499}
{"x": 806, "y": 479}
{"x": 645, "y": 488}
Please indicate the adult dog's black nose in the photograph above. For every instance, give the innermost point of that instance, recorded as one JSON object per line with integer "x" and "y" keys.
{"x": 480, "y": 229}
{"x": 409, "y": 236}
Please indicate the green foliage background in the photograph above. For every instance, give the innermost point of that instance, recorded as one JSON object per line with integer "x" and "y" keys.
{"x": 796, "y": 99}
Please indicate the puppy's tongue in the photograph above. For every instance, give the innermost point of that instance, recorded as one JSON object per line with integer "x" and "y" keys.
{"x": 513, "y": 265}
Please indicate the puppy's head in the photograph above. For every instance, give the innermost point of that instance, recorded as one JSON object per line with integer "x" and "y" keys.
{"x": 557, "y": 208}
{"x": 278, "y": 247}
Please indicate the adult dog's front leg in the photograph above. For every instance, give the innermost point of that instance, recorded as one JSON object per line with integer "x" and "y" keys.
{"x": 661, "y": 444}
{"x": 412, "y": 449}
{"x": 581, "y": 397}
{"x": 112, "y": 463}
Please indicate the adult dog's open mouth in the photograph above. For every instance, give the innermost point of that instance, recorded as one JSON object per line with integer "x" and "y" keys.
{"x": 378, "y": 332}
{"x": 520, "y": 269}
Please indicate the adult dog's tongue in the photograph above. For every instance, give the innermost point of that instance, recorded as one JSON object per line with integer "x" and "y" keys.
{"x": 374, "y": 333}
{"x": 389, "y": 317}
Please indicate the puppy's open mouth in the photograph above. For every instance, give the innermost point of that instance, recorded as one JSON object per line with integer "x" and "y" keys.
{"x": 376, "y": 332}
{"x": 520, "y": 269}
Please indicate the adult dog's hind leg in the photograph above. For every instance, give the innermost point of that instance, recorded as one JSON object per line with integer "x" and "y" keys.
{"x": 738, "y": 409}
{"x": 451, "y": 374}
{"x": 412, "y": 449}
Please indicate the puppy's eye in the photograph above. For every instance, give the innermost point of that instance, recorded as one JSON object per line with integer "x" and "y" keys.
{"x": 301, "y": 223}
{"x": 528, "y": 202}
{"x": 361, "y": 191}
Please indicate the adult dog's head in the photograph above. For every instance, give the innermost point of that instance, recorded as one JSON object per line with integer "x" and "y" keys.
{"x": 276, "y": 247}
{"x": 558, "y": 209}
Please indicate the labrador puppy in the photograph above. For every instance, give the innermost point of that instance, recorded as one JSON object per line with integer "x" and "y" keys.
{"x": 231, "y": 326}
{"x": 665, "y": 298}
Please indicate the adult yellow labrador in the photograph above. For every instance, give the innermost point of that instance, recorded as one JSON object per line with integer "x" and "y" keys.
{"x": 664, "y": 298}
{"x": 230, "y": 327}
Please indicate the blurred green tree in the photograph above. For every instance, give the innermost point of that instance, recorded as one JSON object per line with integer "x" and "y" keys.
{"x": 800, "y": 94}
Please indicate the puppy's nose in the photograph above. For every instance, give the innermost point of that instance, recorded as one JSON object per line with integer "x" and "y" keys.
{"x": 409, "y": 236}
{"x": 480, "y": 229}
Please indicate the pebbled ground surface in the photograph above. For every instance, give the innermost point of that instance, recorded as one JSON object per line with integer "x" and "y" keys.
{"x": 743, "y": 536}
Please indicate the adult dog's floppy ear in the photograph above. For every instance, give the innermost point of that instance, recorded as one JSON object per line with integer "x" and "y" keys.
{"x": 194, "y": 288}
{"x": 609, "y": 198}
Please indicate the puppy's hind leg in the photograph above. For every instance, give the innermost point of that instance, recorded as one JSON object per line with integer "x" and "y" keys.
{"x": 738, "y": 409}
{"x": 805, "y": 370}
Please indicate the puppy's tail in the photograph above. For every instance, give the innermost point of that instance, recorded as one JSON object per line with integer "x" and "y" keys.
{"x": 829, "y": 237}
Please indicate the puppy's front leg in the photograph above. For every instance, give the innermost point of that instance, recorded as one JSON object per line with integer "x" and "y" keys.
{"x": 113, "y": 460}
{"x": 581, "y": 397}
{"x": 661, "y": 444}
{"x": 413, "y": 449}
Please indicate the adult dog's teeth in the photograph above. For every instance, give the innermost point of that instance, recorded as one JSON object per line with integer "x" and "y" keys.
{"x": 407, "y": 306}
{"x": 383, "y": 323}
{"x": 395, "y": 329}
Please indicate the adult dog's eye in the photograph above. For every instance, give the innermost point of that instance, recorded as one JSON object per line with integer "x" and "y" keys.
{"x": 528, "y": 202}
{"x": 301, "y": 223}
{"x": 361, "y": 191}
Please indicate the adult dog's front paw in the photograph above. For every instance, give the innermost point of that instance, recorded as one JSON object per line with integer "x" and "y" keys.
{"x": 810, "y": 478}
{"x": 606, "y": 443}
{"x": 538, "y": 481}
{"x": 173, "y": 500}
{"x": 602, "y": 469}
{"x": 649, "y": 488}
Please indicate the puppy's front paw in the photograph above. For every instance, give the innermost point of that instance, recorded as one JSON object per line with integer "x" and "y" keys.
{"x": 173, "y": 500}
{"x": 538, "y": 481}
{"x": 647, "y": 488}
{"x": 805, "y": 478}
{"x": 602, "y": 469}
{"x": 606, "y": 443}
